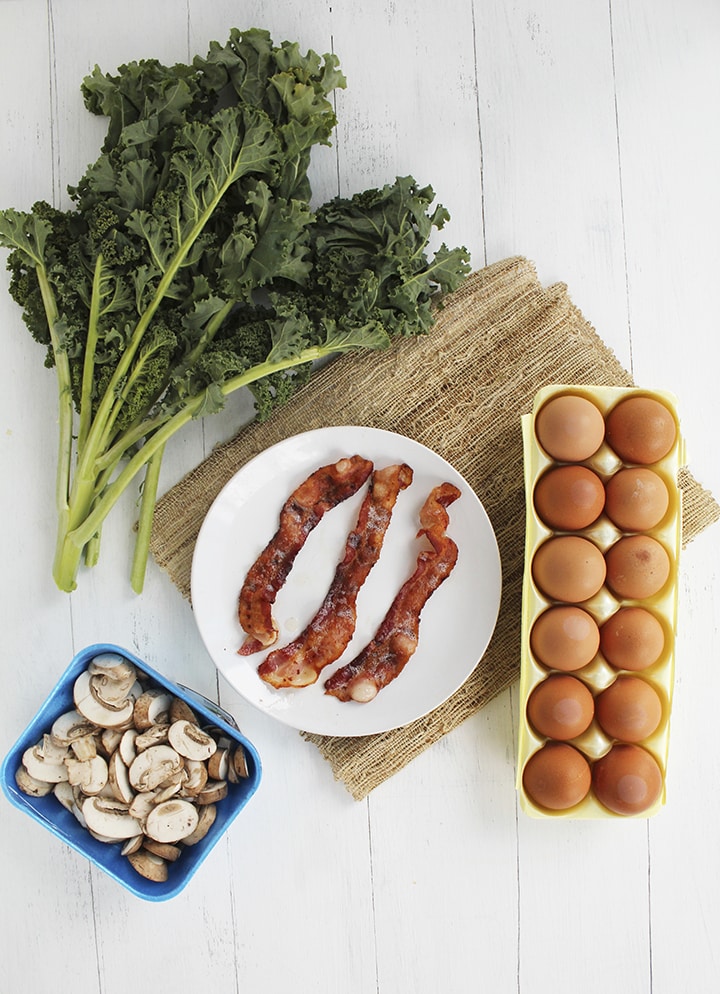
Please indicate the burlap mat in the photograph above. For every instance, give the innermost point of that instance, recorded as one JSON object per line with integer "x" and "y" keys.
{"x": 461, "y": 390}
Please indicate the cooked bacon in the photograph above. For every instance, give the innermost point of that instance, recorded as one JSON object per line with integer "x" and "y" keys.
{"x": 322, "y": 490}
{"x": 395, "y": 641}
{"x": 324, "y": 640}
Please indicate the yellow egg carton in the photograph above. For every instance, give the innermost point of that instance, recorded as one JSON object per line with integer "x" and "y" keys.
{"x": 598, "y": 674}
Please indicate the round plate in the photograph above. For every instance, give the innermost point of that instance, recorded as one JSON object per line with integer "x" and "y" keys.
{"x": 456, "y": 623}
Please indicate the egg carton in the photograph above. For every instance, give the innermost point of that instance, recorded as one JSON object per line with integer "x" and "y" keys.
{"x": 598, "y": 674}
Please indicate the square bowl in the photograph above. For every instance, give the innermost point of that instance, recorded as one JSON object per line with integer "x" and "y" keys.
{"x": 48, "y": 811}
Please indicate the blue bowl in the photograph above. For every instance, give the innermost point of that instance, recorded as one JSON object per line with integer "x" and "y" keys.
{"x": 107, "y": 856}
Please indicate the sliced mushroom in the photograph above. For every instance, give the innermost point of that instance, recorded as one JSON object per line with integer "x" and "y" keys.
{"x": 51, "y": 750}
{"x": 190, "y": 741}
{"x": 70, "y": 726}
{"x": 214, "y": 791}
{"x": 112, "y": 678}
{"x": 30, "y": 785}
{"x": 218, "y": 765}
{"x": 206, "y": 818}
{"x": 152, "y": 708}
{"x": 49, "y": 770}
{"x": 171, "y": 821}
{"x": 154, "y": 735}
{"x": 149, "y": 865}
{"x": 65, "y": 794}
{"x": 109, "y": 741}
{"x": 142, "y": 804}
{"x": 132, "y": 845}
{"x": 91, "y": 775}
{"x": 102, "y": 714}
{"x": 197, "y": 777}
{"x": 127, "y": 746}
{"x": 172, "y": 788}
{"x": 85, "y": 747}
{"x": 110, "y": 818}
{"x": 181, "y": 711}
{"x": 154, "y": 767}
{"x": 119, "y": 778}
{"x": 166, "y": 850}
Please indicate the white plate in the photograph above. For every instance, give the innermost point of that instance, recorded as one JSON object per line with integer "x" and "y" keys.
{"x": 455, "y": 625}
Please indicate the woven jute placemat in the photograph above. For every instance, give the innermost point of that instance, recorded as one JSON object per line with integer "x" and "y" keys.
{"x": 461, "y": 390}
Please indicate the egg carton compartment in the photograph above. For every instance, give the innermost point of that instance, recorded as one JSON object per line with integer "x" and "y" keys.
{"x": 658, "y": 610}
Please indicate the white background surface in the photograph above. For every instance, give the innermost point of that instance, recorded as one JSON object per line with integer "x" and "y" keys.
{"x": 585, "y": 135}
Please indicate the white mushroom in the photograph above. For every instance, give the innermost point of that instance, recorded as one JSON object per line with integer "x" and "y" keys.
{"x": 109, "y": 818}
{"x": 49, "y": 770}
{"x": 171, "y": 821}
{"x": 206, "y": 818}
{"x": 197, "y": 777}
{"x": 70, "y": 726}
{"x": 154, "y": 767}
{"x": 154, "y": 735}
{"x": 152, "y": 708}
{"x": 64, "y": 792}
{"x": 132, "y": 845}
{"x": 190, "y": 741}
{"x": 181, "y": 711}
{"x": 166, "y": 850}
{"x": 119, "y": 778}
{"x": 126, "y": 746}
{"x": 218, "y": 765}
{"x": 31, "y": 785}
{"x": 212, "y": 792}
{"x": 90, "y": 775}
{"x": 149, "y": 865}
{"x": 99, "y": 712}
{"x": 85, "y": 747}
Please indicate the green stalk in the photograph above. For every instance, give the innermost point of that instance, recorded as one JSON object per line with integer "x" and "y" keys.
{"x": 145, "y": 521}
{"x": 89, "y": 358}
{"x": 68, "y": 560}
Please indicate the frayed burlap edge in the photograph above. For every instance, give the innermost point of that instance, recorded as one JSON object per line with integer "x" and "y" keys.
{"x": 461, "y": 390}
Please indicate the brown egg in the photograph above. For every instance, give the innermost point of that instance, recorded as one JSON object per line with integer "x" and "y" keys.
{"x": 627, "y": 780}
{"x": 565, "y": 638}
{"x": 629, "y": 709}
{"x": 569, "y": 568}
{"x": 570, "y": 428}
{"x": 569, "y": 498}
{"x": 640, "y": 429}
{"x": 632, "y": 639}
{"x": 561, "y": 707}
{"x": 557, "y": 776}
{"x": 636, "y": 499}
{"x": 637, "y": 567}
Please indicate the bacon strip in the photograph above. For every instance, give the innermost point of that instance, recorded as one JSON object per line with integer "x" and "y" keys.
{"x": 324, "y": 640}
{"x": 395, "y": 641}
{"x": 320, "y": 492}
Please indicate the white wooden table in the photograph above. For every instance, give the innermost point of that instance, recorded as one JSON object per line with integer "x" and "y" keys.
{"x": 585, "y": 135}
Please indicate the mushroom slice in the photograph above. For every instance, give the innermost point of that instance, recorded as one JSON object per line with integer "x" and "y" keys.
{"x": 70, "y": 726}
{"x": 154, "y": 767}
{"x": 65, "y": 794}
{"x": 142, "y": 804}
{"x": 206, "y": 818}
{"x": 239, "y": 763}
{"x": 166, "y": 850}
{"x": 49, "y": 770}
{"x": 110, "y": 819}
{"x": 90, "y": 775}
{"x": 126, "y": 746}
{"x": 181, "y": 711}
{"x": 171, "y": 821}
{"x": 30, "y": 785}
{"x": 119, "y": 778}
{"x": 154, "y": 735}
{"x": 190, "y": 741}
{"x": 101, "y": 713}
{"x": 214, "y": 791}
{"x": 85, "y": 747}
{"x": 113, "y": 666}
{"x": 218, "y": 765}
{"x": 133, "y": 844}
{"x": 51, "y": 750}
{"x": 149, "y": 865}
{"x": 152, "y": 708}
{"x": 171, "y": 789}
{"x": 197, "y": 777}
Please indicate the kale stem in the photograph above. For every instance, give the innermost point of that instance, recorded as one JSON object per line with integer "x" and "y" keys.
{"x": 145, "y": 521}
{"x": 89, "y": 358}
